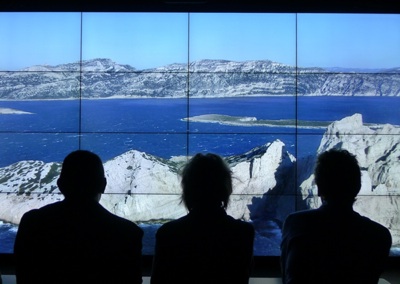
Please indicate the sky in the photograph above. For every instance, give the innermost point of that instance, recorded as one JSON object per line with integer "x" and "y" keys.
{"x": 150, "y": 40}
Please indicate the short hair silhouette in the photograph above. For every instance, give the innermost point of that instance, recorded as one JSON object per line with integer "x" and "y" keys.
{"x": 338, "y": 176}
{"x": 78, "y": 239}
{"x": 206, "y": 181}
{"x": 82, "y": 175}
{"x": 336, "y": 242}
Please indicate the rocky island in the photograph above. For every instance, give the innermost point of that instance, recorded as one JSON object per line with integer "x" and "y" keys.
{"x": 253, "y": 121}
{"x": 12, "y": 111}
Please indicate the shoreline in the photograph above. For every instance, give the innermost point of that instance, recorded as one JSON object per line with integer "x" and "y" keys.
{"x": 134, "y": 97}
{"x": 144, "y": 97}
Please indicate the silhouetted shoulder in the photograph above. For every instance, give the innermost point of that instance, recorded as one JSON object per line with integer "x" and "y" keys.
{"x": 116, "y": 220}
{"x": 338, "y": 245}
{"x": 45, "y": 215}
{"x": 308, "y": 221}
{"x": 375, "y": 229}
{"x": 241, "y": 226}
{"x": 108, "y": 246}
{"x": 192, "y": 222}
{"x": 216, "y": 249}
{"x": 62, "y": 212}
{"x": 300, "y": 219}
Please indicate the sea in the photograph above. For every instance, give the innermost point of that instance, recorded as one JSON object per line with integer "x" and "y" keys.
{"x": 48, "y": 130}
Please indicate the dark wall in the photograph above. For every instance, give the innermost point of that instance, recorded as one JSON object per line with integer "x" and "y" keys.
{"x": 300, "y": 6}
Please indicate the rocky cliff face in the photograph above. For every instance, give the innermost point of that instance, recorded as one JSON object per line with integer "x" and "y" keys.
{"x": 377, "y": 149}
{"x": 142, "y": 187}
{"x": 103, "y": 78}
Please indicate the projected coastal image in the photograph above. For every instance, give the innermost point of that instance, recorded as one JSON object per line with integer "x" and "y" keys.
{"x": 146, "y": 91}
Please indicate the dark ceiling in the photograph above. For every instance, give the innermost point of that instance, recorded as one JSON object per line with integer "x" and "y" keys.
{"x": 301, "y": 6}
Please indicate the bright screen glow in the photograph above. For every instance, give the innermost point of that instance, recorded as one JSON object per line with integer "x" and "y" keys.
{"x": 146, "y": 91}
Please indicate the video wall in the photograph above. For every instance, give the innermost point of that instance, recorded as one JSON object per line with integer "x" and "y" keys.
{"x": 145, "y": 91}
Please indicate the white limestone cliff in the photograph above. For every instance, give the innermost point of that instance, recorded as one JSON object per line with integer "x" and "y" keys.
{"x": 141, "y": 187}
{"x": 151, "y": 189}
{"x": 259, "y": 183}
{"x": 104, "y": 78}
{"x": 377, "y": 149}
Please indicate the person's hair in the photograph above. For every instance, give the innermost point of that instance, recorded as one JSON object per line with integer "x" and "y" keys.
{"x": 206, "y": 182}
{"x": 82, "y": 175}
{"x": 338, "y": 176}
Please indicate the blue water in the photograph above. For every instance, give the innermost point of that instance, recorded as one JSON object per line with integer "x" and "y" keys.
{"x": 7, "y": 237}
{"x": 155, "y": 126}
{"x": 112, "y": 127}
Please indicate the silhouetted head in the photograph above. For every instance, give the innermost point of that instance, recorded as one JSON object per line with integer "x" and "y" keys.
{"x": 338, "y": 176}
{"x": 82, "y": 176}
{"x": 206, "y": 182}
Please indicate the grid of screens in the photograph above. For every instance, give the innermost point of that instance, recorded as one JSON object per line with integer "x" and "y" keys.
{"x": 147, "y": 90}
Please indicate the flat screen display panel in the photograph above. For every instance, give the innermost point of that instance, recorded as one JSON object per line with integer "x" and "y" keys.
{"x": 146, "y": 91}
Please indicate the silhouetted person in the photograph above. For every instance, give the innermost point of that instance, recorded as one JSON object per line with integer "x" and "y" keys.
{"x": 77, "y": 240}
{"x": 206, "y": 245}
{"x": 334, "y": 244}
